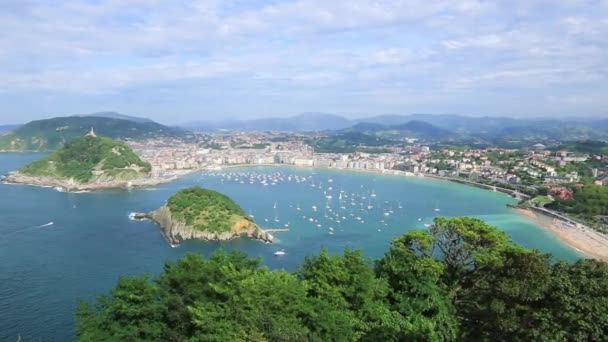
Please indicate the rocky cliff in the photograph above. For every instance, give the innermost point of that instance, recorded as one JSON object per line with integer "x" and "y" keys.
{"x": 176, "y": 231}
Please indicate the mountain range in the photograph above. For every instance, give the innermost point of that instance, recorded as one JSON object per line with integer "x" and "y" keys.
{"x": 500, "y": 131}
{"x": 455, "y": 123}
{"x": 7, "y": 128}
{"x": 300, "y": 122}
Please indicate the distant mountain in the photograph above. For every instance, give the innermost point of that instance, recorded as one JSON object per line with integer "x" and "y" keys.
{"x": 452, "y": 122}
{"x": 114, "y": 115}
{"x": 366, "y": 127}
{"x": 421, "y": 129}
{"x": 7, "y": 128}
{"x": 50, "y": 134}
{"x": 503, "y": 131}
{"x": 412, "y": 129}
{"x": 301, "y": 122}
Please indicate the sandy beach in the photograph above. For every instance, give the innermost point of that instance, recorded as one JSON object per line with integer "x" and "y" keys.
{"x": 587, "y": 241}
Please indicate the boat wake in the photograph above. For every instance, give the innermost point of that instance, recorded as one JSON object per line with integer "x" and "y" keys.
{"x": 31, "y": 228}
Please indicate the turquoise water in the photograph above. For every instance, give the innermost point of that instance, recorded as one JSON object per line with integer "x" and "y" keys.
{"x": 45, "y": 270}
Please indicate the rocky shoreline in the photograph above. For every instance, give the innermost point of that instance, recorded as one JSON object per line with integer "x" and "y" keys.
{"x": 68, "y": 185}
{"x": 175, "y": 231}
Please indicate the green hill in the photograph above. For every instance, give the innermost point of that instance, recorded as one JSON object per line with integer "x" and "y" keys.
{"x": 88, "y": 159}
{"x": 205, "y": 210}
{"x": 50, "y": 134}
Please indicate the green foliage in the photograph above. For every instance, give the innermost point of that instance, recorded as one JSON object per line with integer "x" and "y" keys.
{"x": 590, "y": 200}
{"x": 205, "y": 209}
{"x": 460, "y": 280}
{"x": 80, "y": 157}
{"x": 51, "y": 134}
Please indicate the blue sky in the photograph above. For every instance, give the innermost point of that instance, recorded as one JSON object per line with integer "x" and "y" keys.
{"x": 178, "y": 61}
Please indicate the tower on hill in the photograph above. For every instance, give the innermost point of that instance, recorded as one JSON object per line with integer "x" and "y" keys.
{"x": 92, "y": 133}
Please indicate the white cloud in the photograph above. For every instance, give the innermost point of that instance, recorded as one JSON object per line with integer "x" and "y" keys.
{"x": 410, "y": 50}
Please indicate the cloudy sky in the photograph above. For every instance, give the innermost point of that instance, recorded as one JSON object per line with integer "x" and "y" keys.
{"x": 177, "y": 61}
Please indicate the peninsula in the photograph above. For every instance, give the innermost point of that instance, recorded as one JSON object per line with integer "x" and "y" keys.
{"x": 197, "y": 213}
{"x": 87, "y": 163}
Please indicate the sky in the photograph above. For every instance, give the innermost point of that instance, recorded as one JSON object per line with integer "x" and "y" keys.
{"x": 178, "y": 61}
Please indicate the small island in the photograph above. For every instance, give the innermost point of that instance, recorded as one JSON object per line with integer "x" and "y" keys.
{"x": 87, "y": 163}
{"x": 197, "y": 213}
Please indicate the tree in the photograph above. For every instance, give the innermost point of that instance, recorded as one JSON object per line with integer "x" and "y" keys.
{"x": 575, "y": 304}
{"x": 132, "y": 312}
{"x": 460, "y": 280}
{"x": 416, "y": 291}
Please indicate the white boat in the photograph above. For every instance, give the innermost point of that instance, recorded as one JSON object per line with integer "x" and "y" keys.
{"x": 279, "y": 253}
{"x": 373, "y": 194}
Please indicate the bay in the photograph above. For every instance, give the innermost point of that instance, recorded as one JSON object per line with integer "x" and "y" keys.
{"x": 45, "y": 270}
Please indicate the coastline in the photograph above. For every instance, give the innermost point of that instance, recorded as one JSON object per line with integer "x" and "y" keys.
{"x": 175, "y": 231}
{"x": 65, "y": 185}
{"x": 585, "y": 240}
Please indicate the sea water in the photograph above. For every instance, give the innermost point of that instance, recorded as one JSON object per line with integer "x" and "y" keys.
{"x": 57, "y": 249}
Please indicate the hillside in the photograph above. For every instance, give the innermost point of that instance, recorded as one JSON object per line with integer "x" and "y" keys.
{"x": 197, "y": 213}
{"x": 90, "y": 159}
{"x": 50, "y": 134}
{"x": 349, "y": 142}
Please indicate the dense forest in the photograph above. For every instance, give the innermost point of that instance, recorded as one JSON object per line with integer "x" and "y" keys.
{"x": 462, "y": 280}
{"x": 80, "y": 157}
{"x": 204, "y": 209}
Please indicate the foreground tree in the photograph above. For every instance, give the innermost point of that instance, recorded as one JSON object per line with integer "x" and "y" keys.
{"x": 460, "y": 280}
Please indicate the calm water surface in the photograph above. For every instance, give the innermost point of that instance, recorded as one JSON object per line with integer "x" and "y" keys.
{"x": 45, "y": 270}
